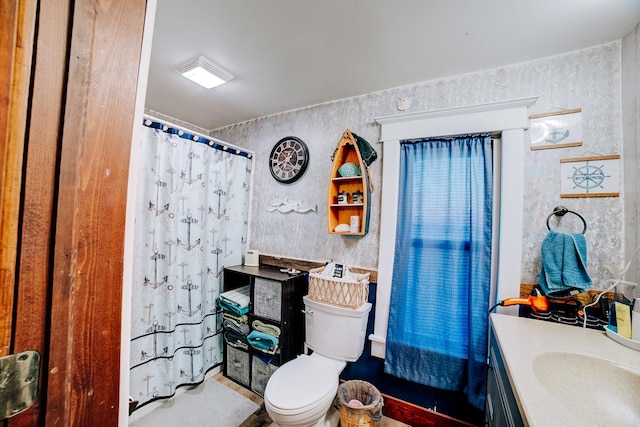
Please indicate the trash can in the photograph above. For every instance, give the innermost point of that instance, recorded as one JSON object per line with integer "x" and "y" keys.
{"x": 360, "y": 404}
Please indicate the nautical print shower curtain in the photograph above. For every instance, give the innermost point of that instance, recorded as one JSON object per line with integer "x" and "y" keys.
{"x": 191, "y": 222}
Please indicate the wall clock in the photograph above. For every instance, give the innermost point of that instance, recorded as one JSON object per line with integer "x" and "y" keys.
{"x": 288, "y": 159}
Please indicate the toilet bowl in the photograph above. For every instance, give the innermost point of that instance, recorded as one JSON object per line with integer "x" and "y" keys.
{"x": 302, "y": 391}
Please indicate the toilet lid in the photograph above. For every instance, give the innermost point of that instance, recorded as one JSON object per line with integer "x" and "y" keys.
{"x": 301, "y": 383}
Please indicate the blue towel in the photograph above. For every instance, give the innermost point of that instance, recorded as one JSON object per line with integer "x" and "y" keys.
{"x": 564, "y": 265}
{"x": 233, "y": 308}
{"x": 235, "y": 301}
{"x": 262, "y": 341}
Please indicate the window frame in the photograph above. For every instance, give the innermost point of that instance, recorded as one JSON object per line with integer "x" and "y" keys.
{"x": 509, "y": 118}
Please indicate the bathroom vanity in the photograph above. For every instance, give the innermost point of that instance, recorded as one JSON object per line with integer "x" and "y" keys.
{"x": 276, "y": 299}
{"x": 501, "y": 407}
{"x": 544, "y": 374}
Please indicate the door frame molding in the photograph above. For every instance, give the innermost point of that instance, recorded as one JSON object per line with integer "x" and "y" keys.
{"x": 91, "y": 121}
{"x": 509, "y": 117}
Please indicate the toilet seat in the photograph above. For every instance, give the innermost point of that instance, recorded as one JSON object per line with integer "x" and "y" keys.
{"x": 301, "y": 385}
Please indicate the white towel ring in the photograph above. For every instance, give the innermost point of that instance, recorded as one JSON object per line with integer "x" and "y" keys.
{"x": 562, "y": 211}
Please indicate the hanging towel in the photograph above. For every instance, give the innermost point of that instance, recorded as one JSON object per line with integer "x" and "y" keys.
{"x": 262, "y": 341}
{"x": 564, "y": 265}
{"x": 266, "y": 328}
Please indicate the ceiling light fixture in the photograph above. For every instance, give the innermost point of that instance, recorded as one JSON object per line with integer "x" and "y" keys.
{"x": 204, "y": 72}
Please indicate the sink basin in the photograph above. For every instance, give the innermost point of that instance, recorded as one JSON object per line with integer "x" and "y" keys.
{"x": 599, "y": 391}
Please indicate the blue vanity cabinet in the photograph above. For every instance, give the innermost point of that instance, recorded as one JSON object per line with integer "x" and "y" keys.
{"x": 501, "y": 408}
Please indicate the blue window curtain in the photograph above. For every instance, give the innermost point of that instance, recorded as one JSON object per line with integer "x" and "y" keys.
{"x": 438, "y": 317}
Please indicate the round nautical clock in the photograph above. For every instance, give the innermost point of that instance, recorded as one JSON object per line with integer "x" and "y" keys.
{"x": 288, "y": 159}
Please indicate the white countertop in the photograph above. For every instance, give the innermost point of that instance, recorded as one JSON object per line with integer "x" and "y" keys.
{"x": 522, "y": 340}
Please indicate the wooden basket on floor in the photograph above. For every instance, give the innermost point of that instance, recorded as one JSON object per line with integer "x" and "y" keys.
{"x": 340, "y": 292}
{"x": 355, "y": 420}
{"x": 359, "y": 416}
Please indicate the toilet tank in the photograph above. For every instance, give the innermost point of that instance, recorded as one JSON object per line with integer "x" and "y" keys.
{"x": 335, "y": 332}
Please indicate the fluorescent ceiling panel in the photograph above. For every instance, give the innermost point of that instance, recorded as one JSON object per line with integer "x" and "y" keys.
{"x": 204, "y": 72}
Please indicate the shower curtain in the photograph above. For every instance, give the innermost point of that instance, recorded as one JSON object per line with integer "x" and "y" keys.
{"x": 191, "y": 222}
{"x": 438, "y": 315}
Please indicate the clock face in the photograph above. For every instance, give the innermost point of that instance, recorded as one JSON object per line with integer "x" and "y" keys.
{"x": 289, "y": 159}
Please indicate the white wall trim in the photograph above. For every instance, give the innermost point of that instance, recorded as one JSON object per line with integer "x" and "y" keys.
{"x": 456, "y": 111}
{"x": 127, "y": 275}
{"x": 487, "y": 117}
{"x": 511, "y": 118}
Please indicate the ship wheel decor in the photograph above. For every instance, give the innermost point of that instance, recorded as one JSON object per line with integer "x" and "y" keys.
{"x": 595, "y": 176}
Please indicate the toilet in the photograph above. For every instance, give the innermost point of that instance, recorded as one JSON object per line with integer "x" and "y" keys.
{"x": 301, "y": 392}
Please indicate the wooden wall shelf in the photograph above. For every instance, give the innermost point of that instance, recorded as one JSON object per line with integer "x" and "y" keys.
{"x": 341, "y": 213}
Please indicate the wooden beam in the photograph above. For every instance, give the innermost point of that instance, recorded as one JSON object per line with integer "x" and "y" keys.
{"x": 17, "y": 29}
{"x": 304, "y": 265}
{"x": 40, "y": 171}
{"x": 415, "y": 415}
{"x": 84, "y": 363}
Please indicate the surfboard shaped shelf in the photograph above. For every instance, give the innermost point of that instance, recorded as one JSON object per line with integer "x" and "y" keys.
{"x": 349, "y": 196}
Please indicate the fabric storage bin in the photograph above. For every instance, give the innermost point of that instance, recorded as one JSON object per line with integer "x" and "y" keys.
{"x": 267, "y": 299}
{"x": 260, "y": 373}
{"x": 238, "y": 365}
{"x": 338, "y": 291}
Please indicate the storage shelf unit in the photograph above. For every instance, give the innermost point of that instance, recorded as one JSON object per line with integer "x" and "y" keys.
{"x": 341, "y": 213}
{"x": 276, "y": 299}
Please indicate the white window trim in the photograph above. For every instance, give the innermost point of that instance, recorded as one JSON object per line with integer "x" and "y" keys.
{"x": 511, "y": 118}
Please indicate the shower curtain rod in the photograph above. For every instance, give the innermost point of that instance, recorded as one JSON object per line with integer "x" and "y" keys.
{"x": 198, "y": 134}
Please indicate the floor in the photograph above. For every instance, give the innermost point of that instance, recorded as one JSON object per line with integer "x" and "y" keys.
{"x": 261, "y": 418}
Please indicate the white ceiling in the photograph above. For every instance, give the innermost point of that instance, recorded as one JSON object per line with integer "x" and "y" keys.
{"x": 287, "y": 54}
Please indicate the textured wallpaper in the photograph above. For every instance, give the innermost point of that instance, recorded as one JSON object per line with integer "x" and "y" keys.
{"x": 589, "y": 79}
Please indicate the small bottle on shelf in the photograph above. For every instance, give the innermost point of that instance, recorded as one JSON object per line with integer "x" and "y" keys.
{"x": 343, "y": 198}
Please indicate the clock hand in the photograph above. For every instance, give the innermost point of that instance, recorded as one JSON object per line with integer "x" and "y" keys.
{"x": 291, "y": 163}
{"x": 286, "y": 159}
